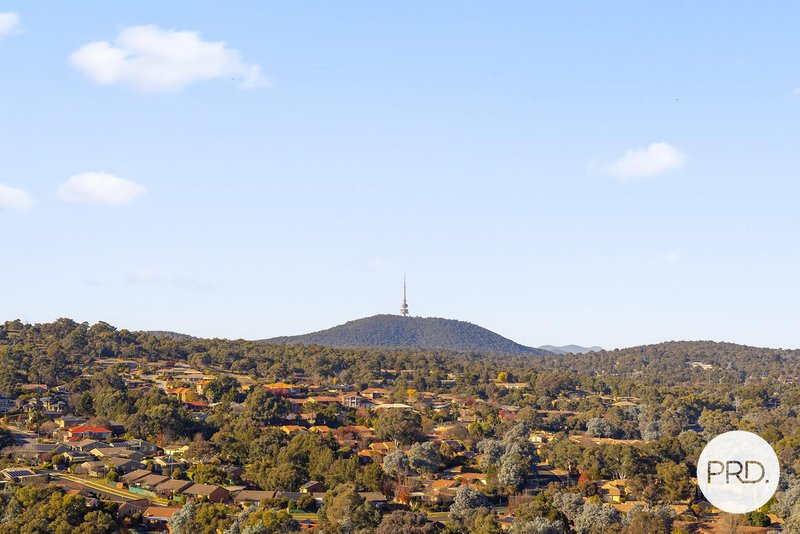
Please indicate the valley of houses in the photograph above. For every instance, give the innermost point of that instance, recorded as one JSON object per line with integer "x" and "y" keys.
{"x": 145, "y": 486}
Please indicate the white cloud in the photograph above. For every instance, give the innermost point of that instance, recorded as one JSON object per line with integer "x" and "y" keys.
{"x": 8, "y": 23}
{"x": 13, "y": 198}
{"x": 152, "y": 59}
{"x": 99, "y": 188}
{"x": 656, "y": 159}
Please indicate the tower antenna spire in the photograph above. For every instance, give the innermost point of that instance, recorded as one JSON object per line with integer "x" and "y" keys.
{"x": 404, "y": 305}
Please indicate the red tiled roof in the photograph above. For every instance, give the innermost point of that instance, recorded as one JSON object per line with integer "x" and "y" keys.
{"x": 160, "y": 513}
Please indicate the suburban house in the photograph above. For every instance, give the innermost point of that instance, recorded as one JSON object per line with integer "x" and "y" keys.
{"x": 113, "y": 452}
{"x": 354, "y": 400}
{"x": 312, "y": 486}
{"x": 88, "y": 432}
{"x": 613, "y": 491}
{"x": 286, "y": 389}
{"x": 138, "y": 445}
{"x": 170, "y": 488}
{"x": 123, "y": 465}
{"x": 23, "y": 475}
{"x": 210, "y": 493}
{"x": 95, "y": 468}
{"x": 78, "y": 457}
{"x": 158, "y": 516}
{"x": 7, "y": 404}
{"x": 167, "y": 464}
{"x": 149, "y": 482}
{"x": 85, "y": 445}
{"x": 248, "y": 497}
{"x": 375, "y": 393}
{"x": 130, "y": 478}
{"x": 38, "y": 452}
{"x": 130, "y": 508}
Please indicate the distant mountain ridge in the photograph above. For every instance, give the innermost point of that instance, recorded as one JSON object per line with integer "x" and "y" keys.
{"x": 168, "y": 334}
{"x": 570, "y": 349}
{"x": 412, "y": 332}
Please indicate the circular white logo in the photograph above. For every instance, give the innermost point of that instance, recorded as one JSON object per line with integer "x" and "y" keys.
{"x": 738, "y": 472}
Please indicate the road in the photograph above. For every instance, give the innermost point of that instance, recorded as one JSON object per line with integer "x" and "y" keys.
{"x": 22, "y": 437}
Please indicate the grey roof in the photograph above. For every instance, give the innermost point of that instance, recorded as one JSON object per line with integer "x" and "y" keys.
{"x": 173, "y": 485}
{"x": 18, "y": 472}
{"x": 87, "y": 442}
{"x": 78, "y": 455}
{"x": 41, "y": 447}
{"x": 373, "y": 496}
{"x": 151, "y": 480}
{"x": 137, "y": 441}
{"x": 136, "y": 475}
{"x": 119, "y": 462}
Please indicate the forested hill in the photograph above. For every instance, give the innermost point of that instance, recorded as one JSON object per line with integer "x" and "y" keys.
{"x": 168, "y": 334}
{"x": 59, "y": 352}
{"x": 675, "y": 361}
{"x": 412, "y": 332}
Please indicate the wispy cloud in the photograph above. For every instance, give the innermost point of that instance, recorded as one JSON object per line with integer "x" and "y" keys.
{"x": 376, "y": 263}
{"x": 670, "y": 258}
{"x": 99, "y": 188}
{"x": 653, "y": 160}
{"x": 156, "y": 276}
{"x": 9, "y": 22}
{"x": 153, "y": 59}
{"x": 14, "y": 198}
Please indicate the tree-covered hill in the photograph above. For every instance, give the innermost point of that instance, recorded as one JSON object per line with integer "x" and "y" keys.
{"x": 58, "y": 352}
{"x": 677, "y": 361}
{"x": 168, "y": 334}
{"x": 412, "y": 332}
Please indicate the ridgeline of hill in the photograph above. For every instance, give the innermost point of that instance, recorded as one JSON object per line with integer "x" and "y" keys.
{"x": 168, "y": 334}
{"x": 412, "y": 332}
{"x": 570, "y": 349}
{"x": 59, "y": 352}
{"x": 673, "y": 362}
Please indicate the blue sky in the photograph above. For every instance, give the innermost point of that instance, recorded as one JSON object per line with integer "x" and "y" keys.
{"x": 609, "y": 174}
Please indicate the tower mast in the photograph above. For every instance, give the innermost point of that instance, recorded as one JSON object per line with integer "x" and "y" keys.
{"x": 404, "y": 305}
